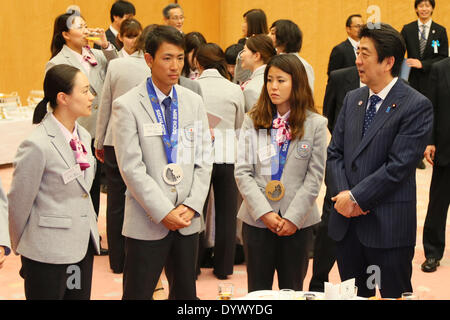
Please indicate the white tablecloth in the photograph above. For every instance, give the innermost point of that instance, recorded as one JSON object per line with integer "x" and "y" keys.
{"x": 12, "y": 133}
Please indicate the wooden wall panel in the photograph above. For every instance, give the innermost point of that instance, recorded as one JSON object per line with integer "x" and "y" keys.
{"x": 26, "y": 28}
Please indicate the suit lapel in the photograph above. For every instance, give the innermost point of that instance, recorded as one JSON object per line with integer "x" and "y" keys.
{"x": 447, "y": 74}
{"x": 394, "y": 97}
{"x": 145, "y": 102}
{"x": 360, "y": 112}
{"x": 415, "y": 38}
{"x": 61, "y": 145}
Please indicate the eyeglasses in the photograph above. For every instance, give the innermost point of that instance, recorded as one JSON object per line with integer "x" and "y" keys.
{"x": 176, "y": 18}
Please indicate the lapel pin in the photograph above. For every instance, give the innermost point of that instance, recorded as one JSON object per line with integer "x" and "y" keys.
{"x": 434, "y": 31}
{"x": 360, "y": 103}
{"x": 394, "y": 105}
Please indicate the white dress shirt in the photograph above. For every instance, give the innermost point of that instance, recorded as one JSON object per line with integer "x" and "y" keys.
{"x": 382, "y": 94}
{"x": 355, "y": 45}
{"x": 161, "y": 96}
{"x": 86, "y": 65}
{"x": 427, "y": 29}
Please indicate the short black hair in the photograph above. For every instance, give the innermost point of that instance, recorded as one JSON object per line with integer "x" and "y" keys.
{"x": 417, "y": 2}
{"x": 161, "y": 34}
{"x": 388, "y": 43}
{"x": 289, "y": 35}
{"x": 232, "y": 52}
{"x": 121, "y": 8}
{"x": 348, "y": 23}
{"x": 169, "y": 7}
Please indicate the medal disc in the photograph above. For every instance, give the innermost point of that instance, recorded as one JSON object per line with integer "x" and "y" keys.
{"x": 275, "y": 190}
{"x": 172, "y": 174}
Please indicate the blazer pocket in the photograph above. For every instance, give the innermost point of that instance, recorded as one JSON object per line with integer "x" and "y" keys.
{"x": 188, "y": 135}
{"x": 55, "y": 222}
{"x": 303, "y": 150}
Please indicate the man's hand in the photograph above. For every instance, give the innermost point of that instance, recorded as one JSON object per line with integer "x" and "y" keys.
{"x": 414, "y": 63}
{"x": 174, "y": 219}
{"x": 344, "y": 205}
{"x": 273, "y": 222}
{"x": 288, "y": 229}
{"x": 100, "y": 155}
{"x": 429, "y": 154}
{"x": 188, "y": 215}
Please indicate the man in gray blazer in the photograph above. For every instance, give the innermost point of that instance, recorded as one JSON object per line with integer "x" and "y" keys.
{"x": 162, "y": 210}
{"x": 4, "y": 234}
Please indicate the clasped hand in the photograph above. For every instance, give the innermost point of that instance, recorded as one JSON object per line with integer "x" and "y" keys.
{"x": 346, "y": 207}
{"x": 276, "y": 224}
{"x": 179, "y": 218}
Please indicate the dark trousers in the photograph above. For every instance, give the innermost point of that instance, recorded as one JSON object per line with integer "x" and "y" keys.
{"x": 95, "y": 189}
{"x": 266, "y": 252}
{"x": 393, "y": 267}
{"x": 145, "y": 260}
{"x": 324, "y": 249}
{"x": 435, "y": 221}
{"x": 114, "y": 211}
{"x": 44, "y": 281}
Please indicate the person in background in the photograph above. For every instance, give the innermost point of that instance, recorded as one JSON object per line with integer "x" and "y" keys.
{"x": 120, "y": 11}
{"x": 52, "y": 222}
{"x": 438, "y": 155}
{"x": 70, "y": 46}
{"x": 279, "y": 172}
{"x": 344, "y": 54}
{"x": 288, "y": 38}
{"x": 5, "y": 243}
{"x": 192, "y": 41}
{"x": 426, "y": 44}
{"x": 174, "y": 16}
{"x": 126, "y": 39}
{"x": 257, "y": 52}
{"x": 255, "y": 22}
{"x": 225, "y": 100}
{"x": 231, "y": 54}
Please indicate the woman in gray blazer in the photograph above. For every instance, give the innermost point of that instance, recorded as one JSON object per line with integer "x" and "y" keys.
{"x": 257, "y": 52}
{"x": 129, "y": 33}
{"x": 70, "y": 46}
{"x": 279, "y": 171}
{"x": 226, "y": 100}
{"x": 52, "y": 221}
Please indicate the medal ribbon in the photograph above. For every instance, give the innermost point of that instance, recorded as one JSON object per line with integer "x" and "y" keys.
{"x": 278, "y": 161}
{"x": 170, "y": 142}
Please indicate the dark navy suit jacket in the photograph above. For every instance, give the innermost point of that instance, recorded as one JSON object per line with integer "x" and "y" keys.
{"x": 379, "y": 169}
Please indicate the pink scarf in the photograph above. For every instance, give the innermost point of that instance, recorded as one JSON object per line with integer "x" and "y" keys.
{"x": 80, "y": 153}
{"x": 283, "y": 132}
{"x": 89, "y": 56}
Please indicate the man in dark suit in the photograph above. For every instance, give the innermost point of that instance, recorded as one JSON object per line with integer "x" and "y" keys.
{"x": 344, "y": 54}
{"x": 438, "y": 155}
{"x": 339, "y": 84}
{"x": 120, "y": 11}
{"x": 426, "y": 43}
{"x": 380, "y": 135}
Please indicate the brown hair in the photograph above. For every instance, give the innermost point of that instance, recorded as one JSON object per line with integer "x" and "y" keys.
{"x": 300, "y": 101}
{"x": 140, "y": 42}
{"x": 211, "y": 56}
{"x": 256, "y": 22}
{"x": 263, "y": 44}
{"x": 130, "y": 28}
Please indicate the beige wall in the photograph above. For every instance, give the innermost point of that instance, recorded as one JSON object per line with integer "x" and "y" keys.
{"x": 26, "y": 27}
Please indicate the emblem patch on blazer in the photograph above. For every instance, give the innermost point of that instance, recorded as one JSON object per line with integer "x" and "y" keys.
{"x": 303, "y": 150}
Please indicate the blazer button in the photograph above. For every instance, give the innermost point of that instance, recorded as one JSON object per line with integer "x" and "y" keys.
{"x": 85, "y": 196}
{"x": 96, "y": 107}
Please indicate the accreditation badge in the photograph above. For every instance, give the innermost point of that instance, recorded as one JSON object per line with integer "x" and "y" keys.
{"x": 275, "y": 190}
{"x": 172, "y": 174}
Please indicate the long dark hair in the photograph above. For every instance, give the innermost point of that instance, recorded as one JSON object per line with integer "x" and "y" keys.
{"x": 256, "y": 22}
{"x": 192, "y": 41}
{"x": 60, "y": 78}
{"x": 61, "y": 25}
{"x": 211, "y": 56}
{"x": 300, "y": 101}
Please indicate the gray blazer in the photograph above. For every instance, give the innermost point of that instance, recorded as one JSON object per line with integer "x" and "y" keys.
{"x": 96, "y": 78}
{"x": 49, "y": 221}
{"x": 302, "y": 175}
{"x": 141, "y": 161}
{"x": 253, "y": 89}
{"x": 4, "y": 233}
{"x": 309, "y": 71}
{"x": 123, "y": 75}
{"x": 225, "y": 99}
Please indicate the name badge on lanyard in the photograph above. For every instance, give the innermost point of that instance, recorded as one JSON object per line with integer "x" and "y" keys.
{"x": 172, "y": 173}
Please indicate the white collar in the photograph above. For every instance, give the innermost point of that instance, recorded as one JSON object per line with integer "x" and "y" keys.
{"x": 79, "y": 56}
{"x": 428, "y": 24}
{"x": 161, "y": 96}
{"x": 383, "y": 93}
{"x": 211, "y": 73}
{"x": 355, "y": 44}
{"x": 124, "y": 53}
{"x": 67, "y": 135}
{"x": 285, "y": 116}
{"x": 114, "y": 31}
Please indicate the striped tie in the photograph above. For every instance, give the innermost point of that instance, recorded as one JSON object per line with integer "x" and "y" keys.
{"x": 423, "y": 40}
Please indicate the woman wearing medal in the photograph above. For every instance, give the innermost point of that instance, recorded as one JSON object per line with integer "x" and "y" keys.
{"x": 279, "y": 172}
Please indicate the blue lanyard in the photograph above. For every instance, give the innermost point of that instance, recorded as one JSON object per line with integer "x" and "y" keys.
{"x": 278, "y": 161}
{"x": 170, "y": 142}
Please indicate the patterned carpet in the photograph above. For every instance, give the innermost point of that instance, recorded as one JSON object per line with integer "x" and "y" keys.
{"x": 108, "y": 286}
